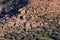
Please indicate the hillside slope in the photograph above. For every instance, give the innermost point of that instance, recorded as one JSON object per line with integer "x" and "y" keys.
{"x": 39, "y": 20}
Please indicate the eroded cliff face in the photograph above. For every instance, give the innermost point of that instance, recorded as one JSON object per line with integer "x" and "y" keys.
{"x": 39, "y": 20}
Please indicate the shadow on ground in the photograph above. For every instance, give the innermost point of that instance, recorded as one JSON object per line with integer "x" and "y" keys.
{"x": 14, "y": 11}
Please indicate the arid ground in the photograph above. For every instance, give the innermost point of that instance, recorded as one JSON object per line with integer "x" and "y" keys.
{"x": 39, "y": 20}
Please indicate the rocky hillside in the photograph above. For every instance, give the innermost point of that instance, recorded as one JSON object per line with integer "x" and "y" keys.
{"x": 38, "y": 20}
